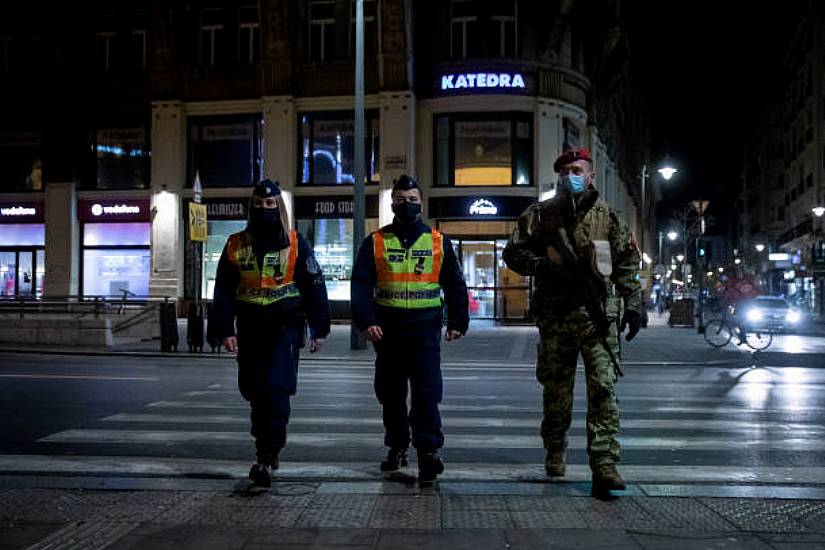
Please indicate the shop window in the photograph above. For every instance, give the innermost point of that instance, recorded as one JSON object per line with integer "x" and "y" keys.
{"x": 483, "y": 150}
{"x": 211, "y": 35}
{"x": 22, "y": 234}
{"x": 218, "y": 232}
{"x": 321, "y": 32}
{"x": 122, "y": 156}
{"x": 327, "y": 148}
{"x": 21, "y": 161}
{"x": 116, "y": 259}
{"x": 249, "y": 35}
{"x": 331, "y": 239}
{"x": 227, "y": 151}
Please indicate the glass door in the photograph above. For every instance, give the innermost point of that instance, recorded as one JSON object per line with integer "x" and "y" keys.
{"x": 513, "y": 290}
{"x": 8, "y": 274}
{"x": 478, "y": 264}
{"x": 25, "y": 274}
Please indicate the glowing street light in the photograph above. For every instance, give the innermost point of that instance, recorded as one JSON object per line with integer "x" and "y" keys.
{"x": 760, "y": 247}
{"x": 818, "y": 211}
{"x": 667, "y": 171}
{"x": 672, "y": 235}
{"x": 680, "y": 257}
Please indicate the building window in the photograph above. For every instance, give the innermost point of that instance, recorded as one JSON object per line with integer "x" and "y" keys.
{"x": 106, "y": 42}
{"x": 122, "y": 158}
{"x": 327, "y": 148}
{"x": 5, "y": 53}
{"x": 321, "y": 31}
{"x": 211, "y": 31}
{"x": 502, "y": 34}
{"x": 483, "y": 149}
{"x": 249, "y": 35}
{"x": 20, "y": 157}
{"x": 463, "y": 29}
{"x": 226, "y": 151}
{"x": 139, "y": 49}
{"x": 370, "y": 34}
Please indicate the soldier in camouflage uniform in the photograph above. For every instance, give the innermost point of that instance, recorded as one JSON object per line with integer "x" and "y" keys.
{"x": 584, "y": 261}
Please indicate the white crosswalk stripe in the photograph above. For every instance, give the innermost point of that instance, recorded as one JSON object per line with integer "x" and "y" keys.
{"x": 336, "y": 409}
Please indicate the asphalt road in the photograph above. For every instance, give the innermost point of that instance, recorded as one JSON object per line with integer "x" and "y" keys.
{"x": 682, "y": 421}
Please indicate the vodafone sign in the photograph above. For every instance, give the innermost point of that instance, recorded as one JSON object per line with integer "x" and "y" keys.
{"x": 113, "y": 210}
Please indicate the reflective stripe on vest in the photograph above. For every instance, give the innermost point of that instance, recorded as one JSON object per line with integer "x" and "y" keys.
{"x": 274, "y": 282}
{"x": 408, "y": 278}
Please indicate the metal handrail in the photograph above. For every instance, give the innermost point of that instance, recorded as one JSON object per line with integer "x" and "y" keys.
{"x": 79, "y": 305}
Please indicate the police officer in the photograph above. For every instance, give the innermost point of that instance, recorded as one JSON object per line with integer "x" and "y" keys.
{"x": 580, "y": 255}
{"x": 269, "y": 280}
{"x": 397, "y": 283}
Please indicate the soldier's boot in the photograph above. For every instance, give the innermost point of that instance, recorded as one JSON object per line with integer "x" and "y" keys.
{"x": 606, "y": 479}
{"x": 396, "y": 458}
{"x": 430, "y": 466}
{"x": 554, "y": 463}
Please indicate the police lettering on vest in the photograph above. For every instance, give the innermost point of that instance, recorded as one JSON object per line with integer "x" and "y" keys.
{"x": 408, "y": 278}
{"x": 275, "y": 281}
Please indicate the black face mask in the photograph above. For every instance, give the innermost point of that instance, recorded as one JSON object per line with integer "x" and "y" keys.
{"x": 407, "y": 212}
{"x": 265, "y": 220}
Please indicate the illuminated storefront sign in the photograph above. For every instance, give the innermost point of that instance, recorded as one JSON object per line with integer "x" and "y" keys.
{"x": 113, "y": 210}
{"x": 483, "y": 207}
{"x": 18, "y": 211}
{"x": 99, "y": 209}
{"x": 482, "y": 80}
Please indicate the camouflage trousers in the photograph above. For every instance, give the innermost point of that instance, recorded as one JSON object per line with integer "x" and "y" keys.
{"x": 561, "y": 340}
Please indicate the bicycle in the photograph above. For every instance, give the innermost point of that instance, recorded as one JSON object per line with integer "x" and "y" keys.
{"x": 719, "y": 333}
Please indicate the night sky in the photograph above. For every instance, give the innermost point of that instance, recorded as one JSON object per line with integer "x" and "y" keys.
{"x": 709, "y": 68}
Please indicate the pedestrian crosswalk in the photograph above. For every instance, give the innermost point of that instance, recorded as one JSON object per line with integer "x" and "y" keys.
{"x": 685, "y": 425}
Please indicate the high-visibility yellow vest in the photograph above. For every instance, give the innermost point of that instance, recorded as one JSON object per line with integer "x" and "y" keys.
{"x": 274, "y": 281}
{"x": 408, "y": 278}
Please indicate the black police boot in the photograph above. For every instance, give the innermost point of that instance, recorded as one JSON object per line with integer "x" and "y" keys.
{"x": 429, "y": 466}
{"x": 396, "y": 458}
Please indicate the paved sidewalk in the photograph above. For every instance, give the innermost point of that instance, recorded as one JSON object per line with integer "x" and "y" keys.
{"x": 394, "y": 515}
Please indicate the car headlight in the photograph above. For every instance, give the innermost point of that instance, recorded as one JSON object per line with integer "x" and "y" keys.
{"x": 792, "y": 316}
{"x": 753, "y": 315}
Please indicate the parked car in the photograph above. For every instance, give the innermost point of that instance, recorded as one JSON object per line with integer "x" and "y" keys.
{"x": 769, "y": 313}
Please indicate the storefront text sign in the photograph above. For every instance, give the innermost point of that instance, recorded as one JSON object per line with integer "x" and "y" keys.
{"x": 21, "y": 212}
{"x": 114, "y": 211}
{"x": 483, "y": 207}
{"x": 332, "y": 207}
{"x": 482, "y": 80}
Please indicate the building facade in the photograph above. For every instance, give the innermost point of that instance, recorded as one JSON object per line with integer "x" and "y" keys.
{"x": 473, "y": 98}
{"x": 784, "y": 175}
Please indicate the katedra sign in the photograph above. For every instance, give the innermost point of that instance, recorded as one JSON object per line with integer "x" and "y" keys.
{"x": 482, "y": 80}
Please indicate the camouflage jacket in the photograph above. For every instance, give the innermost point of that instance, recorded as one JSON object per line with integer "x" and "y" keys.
{"x": 587, "y": 221}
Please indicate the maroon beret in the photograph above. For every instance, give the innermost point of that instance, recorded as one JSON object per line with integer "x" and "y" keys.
{"x": 571, "y": 155}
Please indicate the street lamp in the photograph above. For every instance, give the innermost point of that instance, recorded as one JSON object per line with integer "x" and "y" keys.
{"x": 672, "y": 235}
{"x": 680, "y": 257}
{"x": 667, "y": 172}
{"x": 818, "y": 211}
{"x": 760, "y": 247}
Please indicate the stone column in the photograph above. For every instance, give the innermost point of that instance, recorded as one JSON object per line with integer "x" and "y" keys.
{"x": 548, "y": 146}
{"x": 168, "y": 181}
{"x": 397, "y": 146}
{"x": 62, "y": 277}
{"x": 280, "y": 146}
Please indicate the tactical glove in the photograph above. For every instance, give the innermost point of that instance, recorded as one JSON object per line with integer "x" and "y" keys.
{"x": 633, "y": 320}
